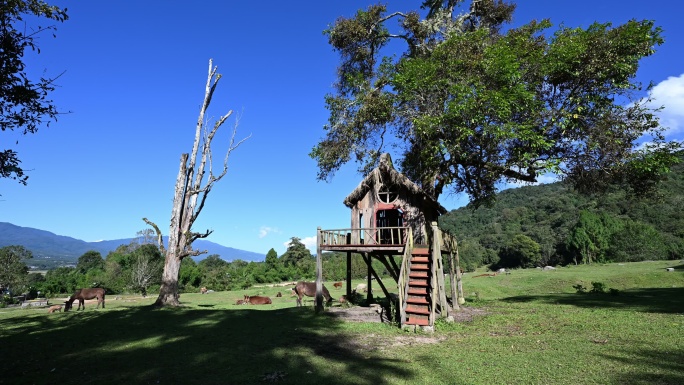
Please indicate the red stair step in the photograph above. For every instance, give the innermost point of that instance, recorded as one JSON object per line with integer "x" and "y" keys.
{"x": 420, "y": 251}
{"x": 420, "y": 259}
{"x": 420, "y": 266}
{"x": 418, "y": 282}
{"x": 414, "y": 309}
{"x": 418, "y": 274}
{"x": 420, "y": 320}
{"x": 417, "y": 291}
{"x": 417, "y": 300}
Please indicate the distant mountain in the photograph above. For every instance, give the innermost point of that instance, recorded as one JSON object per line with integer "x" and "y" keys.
{"x": 46, "y": 245}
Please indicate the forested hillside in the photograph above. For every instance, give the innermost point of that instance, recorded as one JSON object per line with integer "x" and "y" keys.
{"x": 551, "y": 224}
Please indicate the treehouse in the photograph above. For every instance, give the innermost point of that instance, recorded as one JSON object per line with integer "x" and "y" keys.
{"x": 395, "y": 222}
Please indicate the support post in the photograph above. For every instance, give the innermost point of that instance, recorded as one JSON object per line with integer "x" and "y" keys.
{"x": 349, "y": 268}
{"x": 438, "y": 269}
{"x": 452, "y": 280}
{"x": 369, "y": 296}
{"x": 377, "y": 279}
{"x": 319, "y": 273}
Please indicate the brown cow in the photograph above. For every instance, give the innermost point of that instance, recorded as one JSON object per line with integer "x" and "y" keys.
{"x": 258, "y": 300}
{"x": 279, "y": 294}
{"x": 309, "y": 289}
{"x": 82, "y": 294}
{"x": 241, "y": 302}
{"x": 55, "y": 308}
{"x": 337, "y": 285}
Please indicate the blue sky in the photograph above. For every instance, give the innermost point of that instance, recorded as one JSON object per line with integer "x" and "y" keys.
{"x": 134, "y": 81}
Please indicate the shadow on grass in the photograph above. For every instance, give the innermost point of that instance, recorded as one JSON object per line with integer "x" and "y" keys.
{"x": 668, "y": 367}
{"x": 648, "y": 300}
{"x": 678, "y": 267}
{"x": 142, "y": 345}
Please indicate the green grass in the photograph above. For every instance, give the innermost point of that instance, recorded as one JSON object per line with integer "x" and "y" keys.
{"x": 536, "y": 330}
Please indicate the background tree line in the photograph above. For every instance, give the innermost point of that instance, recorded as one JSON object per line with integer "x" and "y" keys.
{"x": 136, "y": 268}
{"x": 553, "y": 224}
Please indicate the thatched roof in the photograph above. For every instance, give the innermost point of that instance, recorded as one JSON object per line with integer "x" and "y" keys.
{"x": 386, "y": 174}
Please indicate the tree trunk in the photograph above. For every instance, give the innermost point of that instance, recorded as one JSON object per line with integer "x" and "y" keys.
{"x": 191, "y": 190}
{"x": 168, "y": 293}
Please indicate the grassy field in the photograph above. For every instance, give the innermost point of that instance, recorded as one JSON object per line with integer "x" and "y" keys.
{"x": 532, "y": 328}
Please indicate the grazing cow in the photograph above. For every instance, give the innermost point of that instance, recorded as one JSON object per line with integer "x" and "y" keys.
{"x": 82, "y": 294}
{"x": 258, "y": 300}
{"x": 279, "y": 294}
{"x": 203, "y": 290}
{"x": 361, "y": 288}
{"x": 337, "y": 285}
{"x": 309, "y": 289}
{"x": 55, "y": 308}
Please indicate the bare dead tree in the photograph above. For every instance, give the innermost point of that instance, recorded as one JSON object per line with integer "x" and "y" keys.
{"x": 191, "y": 191}
{"x": 144, "y": 274}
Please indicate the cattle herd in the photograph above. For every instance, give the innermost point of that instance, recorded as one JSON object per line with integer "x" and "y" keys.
{"x": 299, "y": 290}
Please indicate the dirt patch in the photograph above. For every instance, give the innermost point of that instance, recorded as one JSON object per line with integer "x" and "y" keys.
{"x": 374, "y": 314}
{"x": 357, "y": 314}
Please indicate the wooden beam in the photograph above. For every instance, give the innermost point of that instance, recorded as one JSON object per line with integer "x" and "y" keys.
{"x": 349, "y": 268}
{"x": 319, "y": 273}
{"x": 377, "y": 277}
{"x": 390, "y": 269}
{"x": 369, "y": 281}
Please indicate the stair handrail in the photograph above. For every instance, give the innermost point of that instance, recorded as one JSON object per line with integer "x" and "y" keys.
{"x": 402, "y": 281}
{"x": 434, "y": 254}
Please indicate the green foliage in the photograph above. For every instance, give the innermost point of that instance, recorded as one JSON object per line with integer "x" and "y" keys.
{"x": 60, "y": 280}
{"x": 89, "y": 261}
{"x": 189, "y": 275}
{"x": 147, "y": 268}
{"x": 596, "y": 288}
{"x": 24, "y": 103}
{"x": 13, "y": 269}
{"x": 572, "y": 228}
{"x": 468, "y": 106}
{"x": 297, "y": 254}
{"x": 522, "y": 251}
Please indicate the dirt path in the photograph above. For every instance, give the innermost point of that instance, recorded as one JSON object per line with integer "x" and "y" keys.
{"x": 372, "y": 314}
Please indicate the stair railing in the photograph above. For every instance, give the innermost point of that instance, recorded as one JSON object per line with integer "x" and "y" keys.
{"x": 403, "y": 282}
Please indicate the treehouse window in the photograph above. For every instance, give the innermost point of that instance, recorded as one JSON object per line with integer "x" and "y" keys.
{"x": 387, "y": 195}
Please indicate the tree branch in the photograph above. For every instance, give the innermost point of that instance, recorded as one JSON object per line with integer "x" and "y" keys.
{"x": 160, "y": 240}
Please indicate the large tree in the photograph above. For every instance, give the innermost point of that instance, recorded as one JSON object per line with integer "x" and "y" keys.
{"x": 24, "y": 102}
{"x": 13, "y": 269}
{"x": 191, "y": 191}
{"x": 90, "y": 260}
{"x": 471, "y": 104}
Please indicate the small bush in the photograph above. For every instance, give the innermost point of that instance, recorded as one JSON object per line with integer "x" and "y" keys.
{"x": 598, "y": 288}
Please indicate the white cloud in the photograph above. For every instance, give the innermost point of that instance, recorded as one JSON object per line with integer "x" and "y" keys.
{"x": 670, "y": 94}
{"x": 265, "y": 230}
{"x": 309, "y": 242}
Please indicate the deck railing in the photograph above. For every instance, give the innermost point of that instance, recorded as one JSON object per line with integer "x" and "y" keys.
{"x": 365, "y": 236}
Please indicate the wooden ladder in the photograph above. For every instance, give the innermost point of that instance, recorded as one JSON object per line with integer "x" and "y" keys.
{"x": 418, "y": 301}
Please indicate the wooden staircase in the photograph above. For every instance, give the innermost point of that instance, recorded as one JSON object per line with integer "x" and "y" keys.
{"x": 418, "y": 301}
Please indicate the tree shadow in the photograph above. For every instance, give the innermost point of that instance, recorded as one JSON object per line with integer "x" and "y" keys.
{"x": 648, "y": 300}
{"x": 143, "y": 345}
{"x": 668, "y": 366}
{"x": 678, "y": 267}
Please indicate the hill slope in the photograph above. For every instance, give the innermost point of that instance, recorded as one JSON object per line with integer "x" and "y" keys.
{"x": 633, "y": 229}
